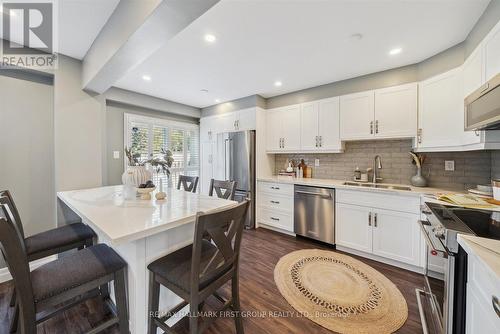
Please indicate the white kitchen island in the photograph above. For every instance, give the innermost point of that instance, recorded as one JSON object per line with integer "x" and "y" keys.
{"x": 141, "y": 231}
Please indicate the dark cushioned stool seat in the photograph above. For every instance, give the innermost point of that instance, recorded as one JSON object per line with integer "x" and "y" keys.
{"x": 176, "y": 267}
{"x": 74, "y": 270}
{"x": 58, "y": 237}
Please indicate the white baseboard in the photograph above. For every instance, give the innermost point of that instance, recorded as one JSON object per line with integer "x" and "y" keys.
{"x": 5, "y": 274}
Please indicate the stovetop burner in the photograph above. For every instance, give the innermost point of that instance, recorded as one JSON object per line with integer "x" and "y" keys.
{"x": 482, "y": 223}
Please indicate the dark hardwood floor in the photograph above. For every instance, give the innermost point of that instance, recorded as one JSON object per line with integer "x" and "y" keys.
{"x": 261, "y": 250}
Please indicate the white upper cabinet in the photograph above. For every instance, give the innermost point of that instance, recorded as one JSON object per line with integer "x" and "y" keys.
{"x": 320, "y": 128}
{"x": 357, "y": 116}
{"x": 291, "y": 128}
{"x": 226, "y": 122}
{"x": 245, "y": 119}
{"x": 309, "y": 119}
{"x": 492, "y": 53}
{"x": 473, "y": 74}
{"x": 440, "y": 107}
{"x": 329, "y": 125}
{"x": 396, "y": 111}
{"x": 207, "y": 128}
{"x": 283, "y": 129}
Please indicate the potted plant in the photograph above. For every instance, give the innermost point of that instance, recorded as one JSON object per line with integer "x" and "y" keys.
{"x": 137, "y": 173}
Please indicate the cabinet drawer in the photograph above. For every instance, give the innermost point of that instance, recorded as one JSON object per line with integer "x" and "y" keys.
{"x": 276, "y": 219}
{"x": 277, "y": 202}
{"x": 275, "y": 188}
{"x": 395, "y": 202}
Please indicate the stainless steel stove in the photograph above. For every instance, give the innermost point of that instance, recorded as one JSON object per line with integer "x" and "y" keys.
{"x": 446, "y": 263}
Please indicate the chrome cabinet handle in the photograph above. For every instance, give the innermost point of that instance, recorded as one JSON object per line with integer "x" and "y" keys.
{"x": 276, "y": 219}
{"x": 317, "y": 141}
{"x": 375, "y": 220}
{"x": 370, "y": 219}
{"x": 283, "y": 142}
{"x": 275, "y": 188}
{"x": 477, "y": 133}
{"x": 496, "y": 305}
{"x": 419, "y": 136}
{"x": 320, "y": 141}
{"x": 376, "y": 126}
{"x": 313, "y": 194}
{"x": 275, "y": 202}
{"x": 371, "y": 127}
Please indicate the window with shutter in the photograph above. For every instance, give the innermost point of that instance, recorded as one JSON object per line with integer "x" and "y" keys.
{"x": 149, "y": 136}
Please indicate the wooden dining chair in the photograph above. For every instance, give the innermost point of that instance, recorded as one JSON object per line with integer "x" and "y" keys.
{"x": 223, "y": 189}
{"x": 189, "y": 183}
{"x": 197, "y": 271}
{"x": 55, "y": 241}
{"x": 58, "y": 285}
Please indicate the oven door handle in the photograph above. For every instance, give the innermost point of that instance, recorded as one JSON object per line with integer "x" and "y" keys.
{"x": 429, "y": 241}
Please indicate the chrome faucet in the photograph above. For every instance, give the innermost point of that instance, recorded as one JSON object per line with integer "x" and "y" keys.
{"x": 375, "y": 167}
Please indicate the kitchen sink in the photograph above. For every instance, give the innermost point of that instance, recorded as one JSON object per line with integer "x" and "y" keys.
{"x": 377, "y": 186}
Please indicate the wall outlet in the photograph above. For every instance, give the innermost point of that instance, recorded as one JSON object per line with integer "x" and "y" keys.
{"x": 316, "y": 162}
{"x": 116, "y": 154}
{"x": 449, "y": 165}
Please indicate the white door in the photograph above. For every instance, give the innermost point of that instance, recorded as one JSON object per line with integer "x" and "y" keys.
{"x": 396, "y": 235}
{"x": 357, "y": 116}
{"x": 472, "y": 79}
{"x": 246, "y": 119}
{"x": 353, "y": 227}
{"x": 440, "y": 116}
{"x": 290, "y": 120}
{"x": 329, "y": 125}
{"x": 206, "y": 128}
{"x": 396, "y": 111}
{"x": 309, "y": 126}
{"x": 206, "y": 166}
{"x": 492, "y": 53}
{"x": 273, "y": 130}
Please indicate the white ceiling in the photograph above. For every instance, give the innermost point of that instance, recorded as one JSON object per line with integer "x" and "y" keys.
{"x": 79, "y": 23}
{"x": 302, "y": 43}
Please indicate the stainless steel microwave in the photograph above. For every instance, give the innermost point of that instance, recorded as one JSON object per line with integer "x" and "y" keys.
{"x": 482, "y": 108}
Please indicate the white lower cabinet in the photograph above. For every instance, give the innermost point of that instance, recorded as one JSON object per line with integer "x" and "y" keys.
{"x": 353, "y": 227}
{"x": 386, "y": 233}
{"x": 396, "y": 235}
{"x": 479, "y": 319}
{"x": 275, "y": 206}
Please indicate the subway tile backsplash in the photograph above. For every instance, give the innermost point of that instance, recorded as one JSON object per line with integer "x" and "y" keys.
{"x": 471, "y": 168}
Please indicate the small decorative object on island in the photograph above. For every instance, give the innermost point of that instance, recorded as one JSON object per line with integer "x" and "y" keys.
{"x": 138, "y": 167}
{"x": 145, "y": 189}
{"x": 160, "y": 195}
{"x": 418, "y": 180}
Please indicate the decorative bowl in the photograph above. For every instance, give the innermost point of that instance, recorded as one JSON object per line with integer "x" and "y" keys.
{"x": 145, "y": 192}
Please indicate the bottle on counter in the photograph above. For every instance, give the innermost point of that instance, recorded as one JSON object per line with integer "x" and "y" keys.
{"x": 357, "y": 174}
{"x": 301, "y": 172}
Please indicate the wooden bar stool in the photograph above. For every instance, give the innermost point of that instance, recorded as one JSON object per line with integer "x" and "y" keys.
{"x": 197, "y": 271}
{"x": 223, "y": 189}
{"x": 51, "y": 242}
{"x": 189, "y": 183}
{"x": 63, "y": 283}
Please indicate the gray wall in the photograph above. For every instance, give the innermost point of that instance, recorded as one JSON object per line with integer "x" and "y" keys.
{"x": 27, "y": 150}
{"x": 471, "y": 168}
{"x": 486, "y": 22}
{"x": 230, "y": 106}
{"x": 114, "y": 135}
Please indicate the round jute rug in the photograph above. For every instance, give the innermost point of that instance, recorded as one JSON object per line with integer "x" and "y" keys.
{"x": 340, "y": 293}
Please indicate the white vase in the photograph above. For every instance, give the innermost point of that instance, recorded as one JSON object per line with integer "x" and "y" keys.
{"x": 136, "y": 175}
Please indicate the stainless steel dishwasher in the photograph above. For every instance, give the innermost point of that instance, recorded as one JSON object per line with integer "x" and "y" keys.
{"x": 315, "y": 213}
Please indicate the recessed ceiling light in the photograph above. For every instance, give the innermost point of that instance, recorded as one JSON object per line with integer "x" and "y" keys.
{"x": 210, "y": 38}
{"x": 357, "y": 36}
{"x": 146, "y": 78}
{"x": 395, "y": 51}
{"x": 217, "y": 100}
{"x": 278, "y": 83}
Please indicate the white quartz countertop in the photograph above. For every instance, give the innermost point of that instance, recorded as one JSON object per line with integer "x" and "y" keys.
{"x": 339, "y": 184}
{"x": 485, "y": 250}
{"x": 123, "y": 220}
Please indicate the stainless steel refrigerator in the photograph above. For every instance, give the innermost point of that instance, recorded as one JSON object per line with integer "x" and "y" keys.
{"x": 235, "y": 161}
